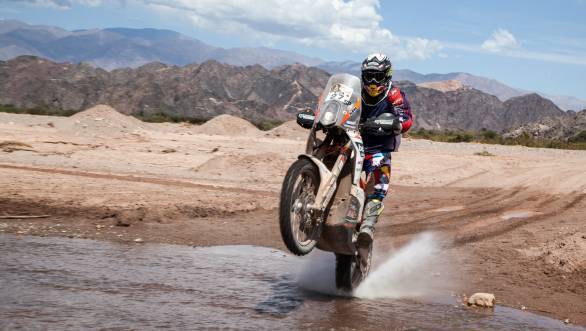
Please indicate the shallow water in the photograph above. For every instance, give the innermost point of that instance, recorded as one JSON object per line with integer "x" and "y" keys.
{"x": 57, "y": 283}
{"x": 517, "y": 214}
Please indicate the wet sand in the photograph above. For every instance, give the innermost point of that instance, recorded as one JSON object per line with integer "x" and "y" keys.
{"x": 61, "y": 283}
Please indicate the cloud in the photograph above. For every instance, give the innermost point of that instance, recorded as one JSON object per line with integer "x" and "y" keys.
{"x": 501, "y": 40}
{"x": 338, "y": 25}
{"x": 61, "y": 4}
{"x": 421, "y": 48}
{"x": 353, "y": 25}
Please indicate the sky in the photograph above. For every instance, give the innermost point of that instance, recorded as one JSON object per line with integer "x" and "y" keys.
{"x": 537, "y": 45}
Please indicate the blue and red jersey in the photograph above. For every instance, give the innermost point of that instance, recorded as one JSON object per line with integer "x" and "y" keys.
{"x": 396, "y": 103}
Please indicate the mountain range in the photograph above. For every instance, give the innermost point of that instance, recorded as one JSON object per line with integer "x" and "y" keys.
{"x": 202, "y": 91}
{"x": 487, "y": 85}
{"x": 122, "y": 47}
{"x": 115, "y": 48}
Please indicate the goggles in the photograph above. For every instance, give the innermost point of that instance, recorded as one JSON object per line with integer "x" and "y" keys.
{"x": 376, "y": 77}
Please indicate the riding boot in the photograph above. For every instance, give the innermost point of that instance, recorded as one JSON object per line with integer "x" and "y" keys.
{"x": 372, "y": 211}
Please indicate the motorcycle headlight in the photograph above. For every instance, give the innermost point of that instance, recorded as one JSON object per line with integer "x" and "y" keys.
{"x": 330, "y": 113}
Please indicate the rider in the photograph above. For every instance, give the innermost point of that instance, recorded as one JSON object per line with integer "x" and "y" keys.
{"x": 379, "y": 96}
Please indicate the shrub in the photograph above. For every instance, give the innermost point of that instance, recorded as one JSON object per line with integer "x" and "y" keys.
{"x": 579, "y": 138}
{"x": 267, "y": 124}
{"x": 40, "y": 110}
{"x": 484, "y": 153}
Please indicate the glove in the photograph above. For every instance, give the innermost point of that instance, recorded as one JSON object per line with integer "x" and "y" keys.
{"x": 403, "y": 117}
{"x": 384, "y": 125}
{"x": 397, "y": 126}
{"x": 370, "y": 127}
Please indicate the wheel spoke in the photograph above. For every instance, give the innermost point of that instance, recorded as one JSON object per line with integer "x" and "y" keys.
{"x": 303, "y": 227}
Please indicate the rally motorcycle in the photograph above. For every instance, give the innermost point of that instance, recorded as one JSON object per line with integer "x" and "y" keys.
{"x": 323, "y": 193}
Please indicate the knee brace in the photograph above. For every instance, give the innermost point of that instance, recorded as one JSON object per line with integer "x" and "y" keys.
{"x": 372, "y": 211}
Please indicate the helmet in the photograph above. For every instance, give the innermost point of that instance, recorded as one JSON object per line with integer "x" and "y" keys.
{"x": 377, "y": 71}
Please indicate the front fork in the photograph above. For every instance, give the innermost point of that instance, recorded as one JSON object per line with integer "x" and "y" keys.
{"x": 328, "y": 186}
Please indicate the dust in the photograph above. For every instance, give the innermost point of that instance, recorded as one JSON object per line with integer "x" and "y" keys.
{"x": 416, "y": 270}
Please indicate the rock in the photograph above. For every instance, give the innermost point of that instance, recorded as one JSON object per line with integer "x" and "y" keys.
{"x": 567, "y": 321}
{"x": 138, "y": 240}
{"x": 481, "y": 300}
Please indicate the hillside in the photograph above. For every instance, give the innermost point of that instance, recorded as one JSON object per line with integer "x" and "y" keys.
{"x": 115, "y": 48}
{"x": 198, "y": 91}
{"x": 202, "y": 91}
{"x": 571, "y": 127}
{"x": 484, "y": 84}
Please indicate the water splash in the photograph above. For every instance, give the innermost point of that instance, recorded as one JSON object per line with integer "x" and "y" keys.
{"x": 317, "y": 273}
{"x": 413, "y": 271}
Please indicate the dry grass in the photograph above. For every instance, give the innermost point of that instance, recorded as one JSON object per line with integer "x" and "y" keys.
{"x": 484, "y": 153}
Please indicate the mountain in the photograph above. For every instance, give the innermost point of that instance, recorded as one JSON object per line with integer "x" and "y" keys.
{"x": 197, "y": 91}
{"x": 444, "y": 86}
{"x": 122, "y": 47}
{"x": 566, "y": 102}
{"x": 571, "y": 127}
{"x": 115, "y": 48}
{"x": 529, "y": 108}
{"x": 202, "y": 91}
{"x": 471, "y": 109}
{"x": 487, "y": 85}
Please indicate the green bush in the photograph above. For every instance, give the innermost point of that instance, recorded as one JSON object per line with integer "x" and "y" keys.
{"x": 579, "y": 138}
{"x": 42, "y": 110}
{"x": 164, "y": 117}
{"x": 490, "y": 137}
{"x": 267, "y": 124}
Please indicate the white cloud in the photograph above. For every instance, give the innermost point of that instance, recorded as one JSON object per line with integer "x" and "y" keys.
{"x": 339, "y": 25}
{"x": 62, "y": 4}
{"x": 351, "y": 25}
{"x": 421, "y": 48}
{"x": 500, "y": 40}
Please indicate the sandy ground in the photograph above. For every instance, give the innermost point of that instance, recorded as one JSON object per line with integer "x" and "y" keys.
{"x": 512, "y": 222}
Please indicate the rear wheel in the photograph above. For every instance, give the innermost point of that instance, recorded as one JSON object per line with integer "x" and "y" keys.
{"x": 299, "y": 228}
{"x": 351, "y": 270}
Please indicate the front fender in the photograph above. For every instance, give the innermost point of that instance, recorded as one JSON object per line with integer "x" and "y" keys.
{"x": 325, "y": 184}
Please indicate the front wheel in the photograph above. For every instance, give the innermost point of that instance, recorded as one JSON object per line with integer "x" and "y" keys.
{"x": 299, "y": 227}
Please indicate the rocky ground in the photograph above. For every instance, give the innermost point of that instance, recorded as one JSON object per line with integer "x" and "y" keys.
{"x": 511, "y": 219}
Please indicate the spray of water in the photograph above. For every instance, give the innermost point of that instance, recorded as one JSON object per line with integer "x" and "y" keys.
{"x": 317, "y": 273}
{"x": 412, "y": 271}
{"x": 415, "y": 270}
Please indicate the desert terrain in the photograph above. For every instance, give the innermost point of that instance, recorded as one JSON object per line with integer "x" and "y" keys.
{"x": 512, "y": 218}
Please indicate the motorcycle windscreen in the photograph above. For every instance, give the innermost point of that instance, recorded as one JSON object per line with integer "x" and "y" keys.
{"x": 340, "y": 102}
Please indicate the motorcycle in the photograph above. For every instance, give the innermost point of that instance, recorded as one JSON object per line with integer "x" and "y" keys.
{"x": 323, "y": 193}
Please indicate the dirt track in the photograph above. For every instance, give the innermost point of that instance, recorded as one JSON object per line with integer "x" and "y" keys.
{"x": 513, "y": 223}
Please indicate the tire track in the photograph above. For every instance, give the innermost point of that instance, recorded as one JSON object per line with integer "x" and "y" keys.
{"x": 140, "y": 179}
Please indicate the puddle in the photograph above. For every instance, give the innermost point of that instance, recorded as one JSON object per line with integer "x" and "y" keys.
{"x": 517, "y": 214}
{"x": 58, "y": 283}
